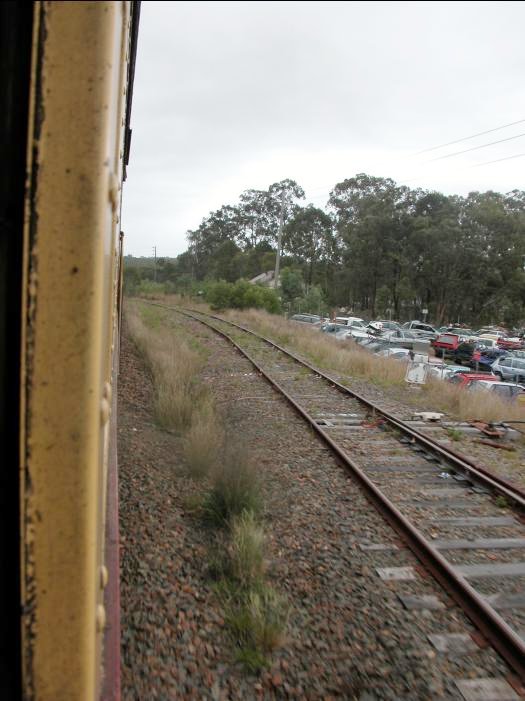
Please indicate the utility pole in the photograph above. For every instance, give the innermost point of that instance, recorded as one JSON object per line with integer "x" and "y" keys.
{"x": 155, "y": 264}
{"x": 279, "y": 243}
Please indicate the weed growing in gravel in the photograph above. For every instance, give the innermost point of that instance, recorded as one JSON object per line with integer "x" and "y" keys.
{"x": 235, "y": 487}
{"x": 246, "y": 550}
{"x": 454, "y": 434}
{"x": 257, "y": 620}
{"x": 203, "y": 442}
{"x": 500, "y": 501}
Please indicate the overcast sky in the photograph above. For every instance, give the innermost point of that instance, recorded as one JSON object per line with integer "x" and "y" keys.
{"x": 236, "y": 95}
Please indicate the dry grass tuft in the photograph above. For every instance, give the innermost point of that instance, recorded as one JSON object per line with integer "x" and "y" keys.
{"x": 257, "y": 621}
{"x": 235, "y": 487}
{"x": 203, "y": 442}
{"x": 471, "y": 405}
{"x": 246, "y": 550}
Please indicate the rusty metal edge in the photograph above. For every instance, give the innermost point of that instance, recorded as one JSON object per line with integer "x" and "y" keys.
{"x": 489, "y": 623}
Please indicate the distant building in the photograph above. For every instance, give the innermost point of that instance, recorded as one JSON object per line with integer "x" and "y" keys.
{"x": 266, "y": 279}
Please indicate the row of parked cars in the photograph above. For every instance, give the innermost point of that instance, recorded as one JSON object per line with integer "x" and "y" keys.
{"x": 486, "y": 360}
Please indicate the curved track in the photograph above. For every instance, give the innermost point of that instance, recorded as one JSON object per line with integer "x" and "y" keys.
{"x": 439, "y": 502}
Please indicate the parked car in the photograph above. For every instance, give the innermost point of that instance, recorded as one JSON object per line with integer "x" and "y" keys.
{"x": 510, "y": 343}
{"x": 463, "y": 379}
{"x": 491, "y": 331}
{"x": 383, "y": 325}
{"x": 353, "y": 333}
{"x": 445, "y": 372}
{"x": 403, "y": 338}
{"x": 507, "y": 367}
{"x": 486, "y": 358}
{"x": 460, "y": 331}
{"x": 445, "y": 345}
{"x": 394, "y": 354}
{"x": 510, "y": 391}
{"x": 420, "y": 329}
{"x": 487, "y": 341}
{"x": 307, "y": 319}
{"x": 332, "y": 328}
{"x": 350, "y": 321}
{"x": 463, "y": 353}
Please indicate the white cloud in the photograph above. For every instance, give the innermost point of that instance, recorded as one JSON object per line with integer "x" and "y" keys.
{"x": 230, "y": 96}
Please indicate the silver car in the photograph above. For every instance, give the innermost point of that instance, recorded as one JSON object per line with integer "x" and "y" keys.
{"x": 509, "y": 368}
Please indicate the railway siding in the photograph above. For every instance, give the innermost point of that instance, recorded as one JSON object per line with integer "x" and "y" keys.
{"x": 312, "y": 397}
{"x": 351, "y": 633}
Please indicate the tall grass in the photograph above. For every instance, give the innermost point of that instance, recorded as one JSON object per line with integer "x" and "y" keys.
{"x": 203, "y": 441}
{"x": 472, "y": 405}
{"x": 174, "y": 367}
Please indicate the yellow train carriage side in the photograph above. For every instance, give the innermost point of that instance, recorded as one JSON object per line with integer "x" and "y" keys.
{"x": 63, "y": 237}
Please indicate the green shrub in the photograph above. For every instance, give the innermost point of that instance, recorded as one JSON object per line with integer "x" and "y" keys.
{"x": 219, "y": 295}
{"x": 241, "y": 295}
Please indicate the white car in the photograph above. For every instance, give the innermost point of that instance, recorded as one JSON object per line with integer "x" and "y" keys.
{"x": 351, "y": 334}
{"x": 396, "y": 353}
{"x": 504, "y": 390}
{"x": 353, "y": 321}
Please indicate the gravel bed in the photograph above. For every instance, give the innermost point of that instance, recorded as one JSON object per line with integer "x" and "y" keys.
{"x": 348, "y": 637}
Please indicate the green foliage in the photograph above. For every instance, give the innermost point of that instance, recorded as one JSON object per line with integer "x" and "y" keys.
{"x": 383, "y": 250}
{"x": 291, "y": 284}
{"x": 454, "y": 434}
{"x": 241, "y": 295}
{"x": 257, "y": 619}
{"x": 148, "y": 288}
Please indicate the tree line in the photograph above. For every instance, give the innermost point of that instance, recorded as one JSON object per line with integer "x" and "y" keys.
{"x": 380, "y": 249}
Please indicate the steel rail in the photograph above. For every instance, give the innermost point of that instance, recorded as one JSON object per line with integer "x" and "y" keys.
{"x": 496, "y": 631}
{"x": 462, "y": 463}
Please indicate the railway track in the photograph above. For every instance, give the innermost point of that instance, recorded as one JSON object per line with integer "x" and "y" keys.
{"x": 445, "y": 508}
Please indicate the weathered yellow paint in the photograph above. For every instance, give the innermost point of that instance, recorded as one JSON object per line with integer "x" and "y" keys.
{"x": 71, "y": 239}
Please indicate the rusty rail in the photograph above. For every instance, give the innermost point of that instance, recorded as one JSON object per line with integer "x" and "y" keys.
{"x": 496, "y": 631}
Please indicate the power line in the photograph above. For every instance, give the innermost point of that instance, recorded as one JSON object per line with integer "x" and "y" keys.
{"x": 507, "y": 158}
{"x": 466, "y": 138}
{"x": 475, "y": 148}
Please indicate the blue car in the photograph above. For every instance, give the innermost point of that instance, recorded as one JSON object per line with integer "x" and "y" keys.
{"x": 488, "y": 356}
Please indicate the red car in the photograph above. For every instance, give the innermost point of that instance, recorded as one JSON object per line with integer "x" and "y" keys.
{"x": 445, "y": 343}
{"x": 510, "y": 343}
{"x": 463, "y": 379}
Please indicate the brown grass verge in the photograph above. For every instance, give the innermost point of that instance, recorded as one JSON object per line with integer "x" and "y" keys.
{"x": 349, "y": 360}
{"x": 173, "y": 365}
